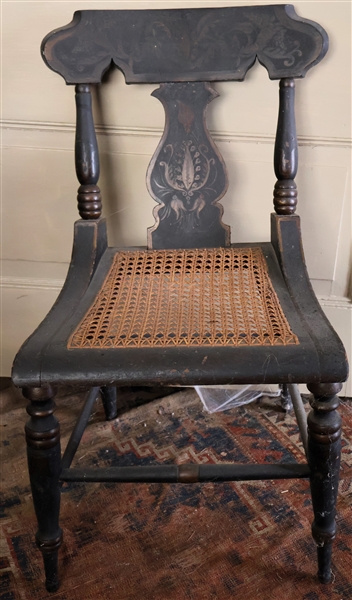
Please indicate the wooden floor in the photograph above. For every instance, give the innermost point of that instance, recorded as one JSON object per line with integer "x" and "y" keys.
{"x": 155, "y": 542}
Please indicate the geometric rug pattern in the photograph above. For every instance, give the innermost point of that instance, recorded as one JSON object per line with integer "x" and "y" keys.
{"x": 247, "y": 540}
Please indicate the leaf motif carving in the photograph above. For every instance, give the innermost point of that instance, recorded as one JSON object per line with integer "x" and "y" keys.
{"x": 188, "y": 170}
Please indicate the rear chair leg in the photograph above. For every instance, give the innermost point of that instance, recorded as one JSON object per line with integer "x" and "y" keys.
{"x": 44, "y": 465}
{"x": 324, "y": 451}
{"x": 285, "y": 398}
{"x": 109, "y": 398}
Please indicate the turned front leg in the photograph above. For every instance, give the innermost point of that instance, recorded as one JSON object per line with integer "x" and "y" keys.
{"x": 324, "y": 451}
{"x": 44, "y": 465}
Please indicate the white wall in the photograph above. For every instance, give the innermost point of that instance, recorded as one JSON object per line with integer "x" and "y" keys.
{"x": 39, "y": 183}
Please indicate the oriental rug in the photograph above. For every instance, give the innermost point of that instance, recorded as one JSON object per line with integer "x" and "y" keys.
{"x": 248, "y": 540}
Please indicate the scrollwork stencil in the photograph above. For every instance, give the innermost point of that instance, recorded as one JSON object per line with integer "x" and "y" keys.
{"x": 205, "y": 44}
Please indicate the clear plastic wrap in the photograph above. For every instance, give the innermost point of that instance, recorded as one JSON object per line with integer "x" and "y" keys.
{"x": 222, "y": 397}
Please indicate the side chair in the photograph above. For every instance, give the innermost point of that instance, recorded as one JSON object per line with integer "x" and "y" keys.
{"x": 191, "y": 307}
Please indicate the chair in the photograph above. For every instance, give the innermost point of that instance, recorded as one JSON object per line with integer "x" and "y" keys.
{"x": 190, "y": 308}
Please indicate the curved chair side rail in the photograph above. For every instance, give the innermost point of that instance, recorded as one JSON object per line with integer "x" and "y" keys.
{"x": 89, "y": 245}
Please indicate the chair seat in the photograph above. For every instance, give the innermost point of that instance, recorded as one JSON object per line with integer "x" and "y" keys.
{"x": 207, "y": 297}
{"x": 180, "y": 317}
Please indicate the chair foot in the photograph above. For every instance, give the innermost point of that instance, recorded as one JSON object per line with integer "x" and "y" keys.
{"x": 52, "y": 581}
{"x": 324, "y": 563}
{"x": 109, "y": 399}
{"x": 44, "y": 465}
{"x": 324, "y": 452}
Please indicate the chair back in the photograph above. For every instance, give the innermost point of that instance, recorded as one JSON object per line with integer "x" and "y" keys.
{"x": 184, "y": 50}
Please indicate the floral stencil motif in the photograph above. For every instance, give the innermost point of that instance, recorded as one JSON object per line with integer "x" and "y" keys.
{"x": 186, "y": 175}
{"x": 189, "y": 176}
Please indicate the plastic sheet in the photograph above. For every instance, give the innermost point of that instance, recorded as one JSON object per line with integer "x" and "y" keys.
{"x": 223, "y": 397}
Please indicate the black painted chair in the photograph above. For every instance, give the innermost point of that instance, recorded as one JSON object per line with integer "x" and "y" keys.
{"x": 190, "y": 308}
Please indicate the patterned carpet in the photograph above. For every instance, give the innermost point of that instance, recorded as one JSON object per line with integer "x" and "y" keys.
{"x": 156, "y": 542}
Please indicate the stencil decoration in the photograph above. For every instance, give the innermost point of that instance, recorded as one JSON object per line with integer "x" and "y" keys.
{"x": 193, "y": 44}
{"x": 187, "y": 176}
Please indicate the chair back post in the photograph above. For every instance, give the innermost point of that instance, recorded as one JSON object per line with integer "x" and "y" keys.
{"x": 286, "y": 151}
{"x": 86, "y": 156}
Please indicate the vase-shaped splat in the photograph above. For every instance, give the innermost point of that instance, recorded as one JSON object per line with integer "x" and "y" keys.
{"x": 187, "y": 176}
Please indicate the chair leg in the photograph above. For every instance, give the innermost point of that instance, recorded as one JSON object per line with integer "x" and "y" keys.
{"x": 285, "y": 398}
{"x": 44, "y": 465}
{"x": 109, "y": 398}
{"x": 324, "y": 451}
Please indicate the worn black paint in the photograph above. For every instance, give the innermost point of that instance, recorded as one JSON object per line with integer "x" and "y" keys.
{"x": 44, "y": 466}
{"x": 205, "y": 44}
{"x": 324, "y": 453}
{"x": 173, "y": 473}
{"x": 307, "y": 362}
{"x": 187, "y": 175}
{"x": 286, "y": 151}
{"x": 86, "y": 156}
{"x": 109, "y": 399}
{"x": 78, "y": 431}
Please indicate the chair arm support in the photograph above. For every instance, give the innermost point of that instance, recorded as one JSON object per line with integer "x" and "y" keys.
{"x": 89, "y": 244}
{"x": 287, "y": 242}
